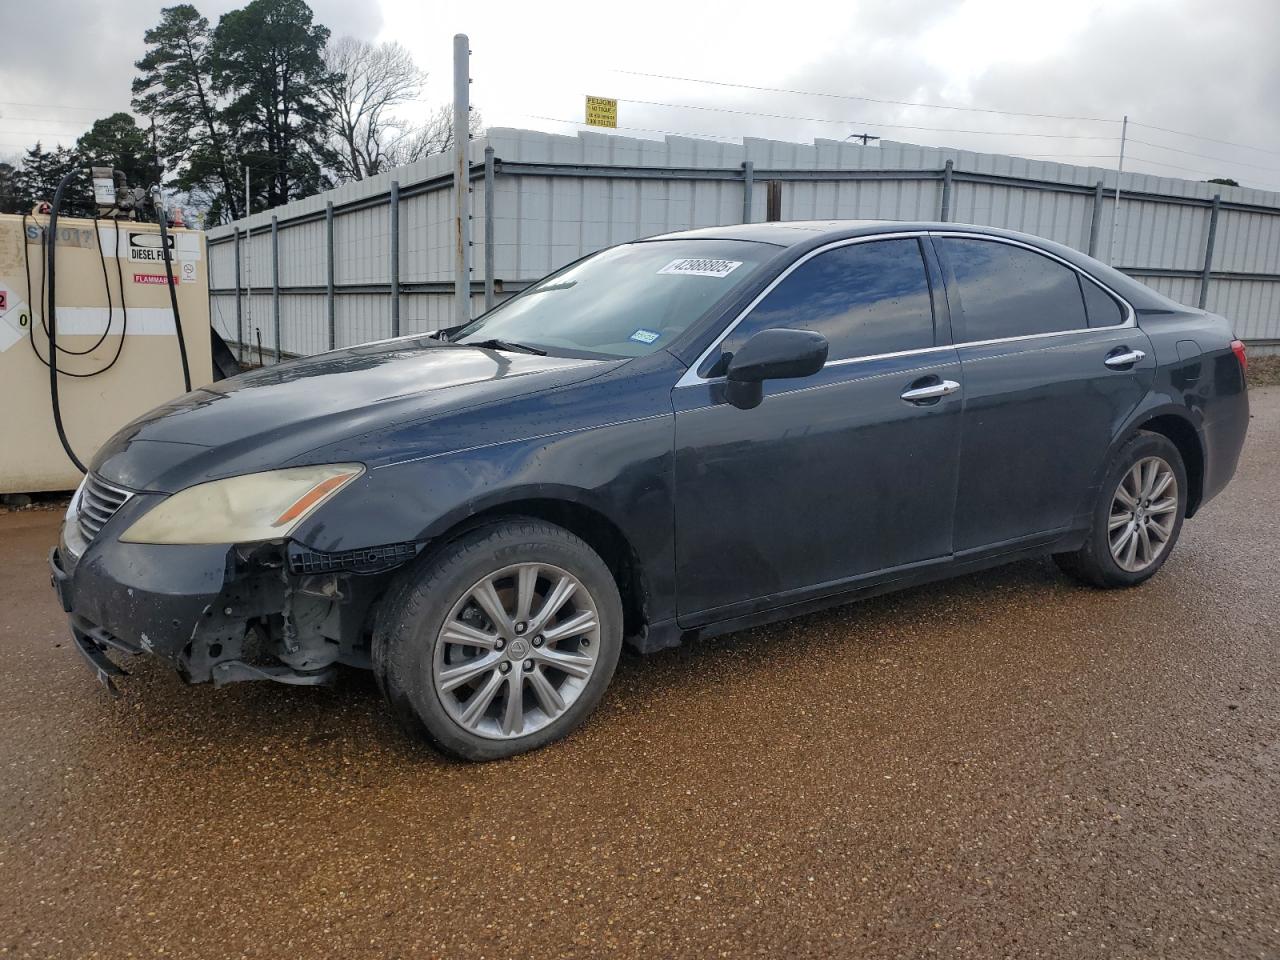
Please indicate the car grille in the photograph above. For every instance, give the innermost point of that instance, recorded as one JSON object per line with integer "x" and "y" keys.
{"x": 99, "y": 501}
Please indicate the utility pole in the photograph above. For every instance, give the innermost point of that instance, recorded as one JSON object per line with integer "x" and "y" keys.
{"x": 461, "y": 178}
{"x": 1115, "y": 207}
{"x": 864, "y": 137}
{"x": 248, "y": 256}
{"x": 155, "y": 153}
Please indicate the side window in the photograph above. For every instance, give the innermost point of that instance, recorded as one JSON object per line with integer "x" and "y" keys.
{"x": 865, "y": 298}
{"x": 1008, "y": 291}
{"x": 1102, "y": 308}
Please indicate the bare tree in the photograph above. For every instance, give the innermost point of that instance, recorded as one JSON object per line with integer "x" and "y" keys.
{"x": 376, "y": 78}
{"x": 435, "y": 135}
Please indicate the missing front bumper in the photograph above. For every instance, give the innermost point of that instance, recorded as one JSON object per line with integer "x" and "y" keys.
{"x": 259, "y": 620}
{"x": 92, "y": 643}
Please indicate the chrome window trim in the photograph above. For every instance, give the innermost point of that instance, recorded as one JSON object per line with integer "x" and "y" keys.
{"x": 691, "y": 378}
{"x": 1131, "y": 316}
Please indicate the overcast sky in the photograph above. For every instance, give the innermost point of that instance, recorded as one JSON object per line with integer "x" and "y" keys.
{"x": 1206, "y": 67}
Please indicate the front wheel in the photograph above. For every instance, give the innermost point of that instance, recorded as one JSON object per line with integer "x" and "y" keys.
{"x": 1138, "y": 516}
{"x": 503, "y": 642}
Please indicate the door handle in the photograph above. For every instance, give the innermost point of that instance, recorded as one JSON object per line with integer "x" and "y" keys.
{"x": 943, "y": 388}
{"x": 1120, "y": 361}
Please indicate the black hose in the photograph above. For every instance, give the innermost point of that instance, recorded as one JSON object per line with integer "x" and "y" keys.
{"x": 102, "y": 258}
{"x": 31, "y": 324}
{"x": 124, "y": 302}
{"x": 51, "y": 242}
{"x": 173, "y": 293}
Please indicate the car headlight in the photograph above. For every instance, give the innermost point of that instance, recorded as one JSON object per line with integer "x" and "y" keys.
{"x": 255, "y": 506}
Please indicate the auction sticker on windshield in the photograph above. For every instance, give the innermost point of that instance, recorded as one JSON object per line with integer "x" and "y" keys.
{"x": 701, "y": 267}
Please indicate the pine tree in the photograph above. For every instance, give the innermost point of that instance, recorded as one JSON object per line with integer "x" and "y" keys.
{"x": 175, "y": 89}
{"x": 8, "y": 188}
{"x": 37, "y": 180}
{"x": 117, "y": 142}
{"x": 268, "y": 61}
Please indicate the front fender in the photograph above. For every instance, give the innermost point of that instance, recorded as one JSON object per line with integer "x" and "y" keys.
{"x": 622, "y": 471}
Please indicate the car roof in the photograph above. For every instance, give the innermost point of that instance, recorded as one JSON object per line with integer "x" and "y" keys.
{"x": 808, "y": 234}
{"x": 790, "y": 233}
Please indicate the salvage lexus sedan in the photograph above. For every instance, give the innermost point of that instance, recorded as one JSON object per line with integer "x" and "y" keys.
{"x": 668, "y": 439}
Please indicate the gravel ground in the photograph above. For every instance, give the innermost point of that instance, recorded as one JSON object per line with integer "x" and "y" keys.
{"x": 1264, "y": 371}
{"x": 1008, "y": 764}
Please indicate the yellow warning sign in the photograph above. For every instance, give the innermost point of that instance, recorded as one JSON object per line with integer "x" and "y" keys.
{"x": 602, "y": 112}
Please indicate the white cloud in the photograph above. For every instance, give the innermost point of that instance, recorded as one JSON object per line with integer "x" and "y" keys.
{"x": 1206, "y": 66}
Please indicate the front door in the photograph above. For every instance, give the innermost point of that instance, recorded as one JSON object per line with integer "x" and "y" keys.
{"x": 833, "y": 477}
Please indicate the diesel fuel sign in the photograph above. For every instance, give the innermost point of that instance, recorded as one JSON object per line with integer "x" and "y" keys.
{"x": 145, "y": 247}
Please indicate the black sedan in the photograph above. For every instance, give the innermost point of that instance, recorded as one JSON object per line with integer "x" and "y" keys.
{"x": 668, "y": 439}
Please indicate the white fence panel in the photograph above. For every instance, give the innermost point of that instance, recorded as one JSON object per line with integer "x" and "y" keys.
{"x": 557, "y": 198}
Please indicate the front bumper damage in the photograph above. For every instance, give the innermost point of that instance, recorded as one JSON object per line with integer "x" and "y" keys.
{"x": 223, "y": 613}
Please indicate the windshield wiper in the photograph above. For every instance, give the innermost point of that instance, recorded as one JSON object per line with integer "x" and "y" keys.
{"x": 495, "y": 344}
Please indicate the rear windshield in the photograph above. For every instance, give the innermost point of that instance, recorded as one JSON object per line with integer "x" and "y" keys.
{"x": 626, "y": 301}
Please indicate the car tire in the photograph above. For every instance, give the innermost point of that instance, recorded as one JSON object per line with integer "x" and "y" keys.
{"x": 1129, "y": 542}
{"x": 475, "y": 620}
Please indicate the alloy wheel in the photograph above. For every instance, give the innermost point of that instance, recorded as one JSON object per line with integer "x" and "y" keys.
{"x": 1144, "y": 510}
{"x": 516, "y": 650}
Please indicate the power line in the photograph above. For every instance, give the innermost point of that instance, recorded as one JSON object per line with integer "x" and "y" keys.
{"x": 669, "y": 133}
{"x": 1197, "y": 136}
{"x": 846, "y": 122}
{"x": 1210, "y": 173}
{"x": 56, "y": 106}
{"x": 1025, "y": 156}
{"x": 42, "y": 133}
{"x": 736, "y": 139}
{"x": 77, "y": 125}
{"x": 844, "y": 96}
{"x": 942, "y": 106}
{"x": 1066, "y": 156}
{"x": 1205, "y": 156}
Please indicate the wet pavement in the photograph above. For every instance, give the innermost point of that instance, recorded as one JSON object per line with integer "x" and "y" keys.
{"x": 1008, "y": 764}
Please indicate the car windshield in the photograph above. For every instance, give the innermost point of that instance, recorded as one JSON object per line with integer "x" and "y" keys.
{"x": 626, "y": 301}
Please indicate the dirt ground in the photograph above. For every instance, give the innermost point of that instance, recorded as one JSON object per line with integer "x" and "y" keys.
{"x": 1264, "y": 371}
{"x": 1005, "y": 765}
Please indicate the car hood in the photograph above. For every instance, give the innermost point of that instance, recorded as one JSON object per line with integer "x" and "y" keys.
{"x": 265, "y": 418}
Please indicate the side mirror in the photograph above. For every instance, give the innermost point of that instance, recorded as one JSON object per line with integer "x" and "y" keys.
{"x": 772, "y": 355}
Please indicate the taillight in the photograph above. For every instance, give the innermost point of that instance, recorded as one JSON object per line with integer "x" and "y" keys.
{"x": 1237, "y": 347}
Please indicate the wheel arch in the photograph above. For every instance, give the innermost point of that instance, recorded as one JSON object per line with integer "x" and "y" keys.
{"x": 1175, "y": 425}
{"x": 585, "y": 521}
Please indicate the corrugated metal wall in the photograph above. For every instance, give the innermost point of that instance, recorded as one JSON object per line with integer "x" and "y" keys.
{"x": 557, "y": 198}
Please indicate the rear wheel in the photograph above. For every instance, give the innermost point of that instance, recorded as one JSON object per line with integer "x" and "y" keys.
{"x": 501, "y": 643}
{"x": 1138, "y": 516}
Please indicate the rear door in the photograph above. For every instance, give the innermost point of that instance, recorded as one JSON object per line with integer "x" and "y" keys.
{"x": 1051, "y": 372}
{"x": 832, "y": 477}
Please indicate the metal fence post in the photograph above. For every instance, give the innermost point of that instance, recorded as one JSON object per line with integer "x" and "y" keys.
{"x": 748, "y": 182}
{"x": 329, "y": 311}
{"x": 461, "y": 178}
{"x": 773, "y": 201}
{"x": 395, "y": 258}
{"x": 1095, "y": 225}
{"x": 1208, "y": 249}
{"x": 944, "y": 212}
{"x": 275, "y": 282}
{"x": 239, "y": 306}
{"x": 488, "y": 227}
